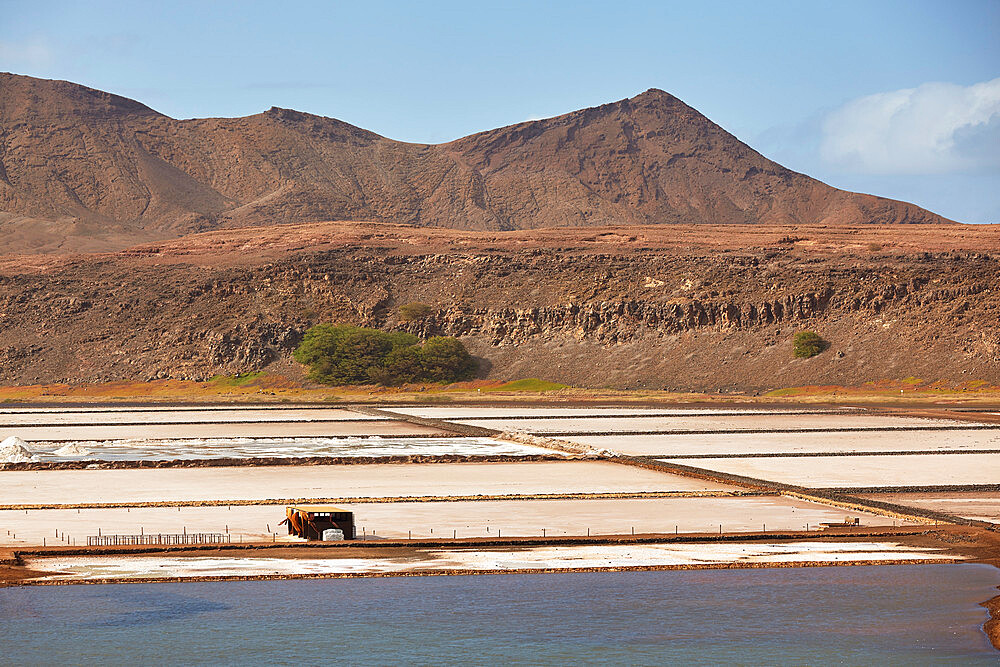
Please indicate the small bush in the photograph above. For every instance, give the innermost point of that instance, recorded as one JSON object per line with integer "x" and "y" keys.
{"x": 238, "y": 380}
{"x": 808, "y": 344}
{"x": 414, "y": 311}
{"x": 529, "y": 384}
{"x": 344, "y": 354}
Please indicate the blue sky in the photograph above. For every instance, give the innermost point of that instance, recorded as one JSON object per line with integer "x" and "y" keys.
{"x": 900, "y": 99}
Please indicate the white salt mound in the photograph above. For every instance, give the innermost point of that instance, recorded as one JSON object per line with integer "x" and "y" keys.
{"x": 13, "y": 450}
{"x": 72, "y": 449}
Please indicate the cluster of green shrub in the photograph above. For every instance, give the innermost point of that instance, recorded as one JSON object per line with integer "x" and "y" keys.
{"x": 414, "y": 311}
{"x": 808, "y": 344}
{"x": 343, "y": 354}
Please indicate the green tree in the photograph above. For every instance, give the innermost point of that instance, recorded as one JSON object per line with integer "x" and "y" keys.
{"x": 320, "y": 341}
{"x": 320, "y": 348}
{"x": 401, "y": 366}
{"x": 401, "y": 339}
{"x": 808, "y": 344}
{"x": 447, "y": 360}
{"x": 359, "y": 353}
{"x": 345, "y": 354}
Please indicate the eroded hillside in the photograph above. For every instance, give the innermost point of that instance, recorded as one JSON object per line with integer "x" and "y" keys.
{"x": 665, "y": 307}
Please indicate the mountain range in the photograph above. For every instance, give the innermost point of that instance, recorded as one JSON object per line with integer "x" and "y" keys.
{"x": 85, "y": 170}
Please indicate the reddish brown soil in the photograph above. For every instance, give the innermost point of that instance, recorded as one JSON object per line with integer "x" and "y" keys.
{"x": 11, "y": 572}
{"x": 255, "y": 246}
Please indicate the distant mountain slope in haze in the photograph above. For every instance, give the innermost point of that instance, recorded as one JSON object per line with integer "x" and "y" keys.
{"x": 84, "y": 169}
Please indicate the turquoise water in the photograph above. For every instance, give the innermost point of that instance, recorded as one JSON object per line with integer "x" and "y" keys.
{"x": 905, "y": 615}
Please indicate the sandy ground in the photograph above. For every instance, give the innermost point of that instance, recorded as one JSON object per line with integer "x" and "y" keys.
{"x": 709, "y": 422}
{"x": 863, "y": 471}
{"x": 256, "y": 430}
{"x": 791, "y": 443}
{"x": 337, "y": 481}
{"x": 971, "y": 505}
{"x": 162, "y": 416}
{"x": 548, "y": 557}
{"x": 430, "y": 520}
{"x": 459, "y": 412}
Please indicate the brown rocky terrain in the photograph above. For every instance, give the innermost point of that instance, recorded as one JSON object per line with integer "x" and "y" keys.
{"x": 668, "y": 306}
{"x": 83, "y": 170}
{"x": 635, "y": 244}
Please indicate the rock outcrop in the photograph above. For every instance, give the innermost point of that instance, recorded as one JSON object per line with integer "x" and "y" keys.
{"x": 679, "y": 318}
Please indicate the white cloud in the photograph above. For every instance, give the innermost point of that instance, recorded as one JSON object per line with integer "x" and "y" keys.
{"x": 934, "y": 128}
{"x": 25, "y": 55}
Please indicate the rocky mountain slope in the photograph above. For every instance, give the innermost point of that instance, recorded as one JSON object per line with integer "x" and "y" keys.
{"x": 84, "y": 170}
{"x": 681, "y": 307}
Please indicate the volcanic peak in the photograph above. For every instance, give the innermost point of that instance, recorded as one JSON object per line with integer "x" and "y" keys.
{"x": 81, "y": 163}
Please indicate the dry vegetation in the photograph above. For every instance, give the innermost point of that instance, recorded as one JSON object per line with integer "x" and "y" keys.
{"x": 266, "y": 388}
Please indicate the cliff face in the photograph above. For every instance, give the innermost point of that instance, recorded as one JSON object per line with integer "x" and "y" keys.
{"x": 682, "y": 318}
{"x": 81, "y": 169}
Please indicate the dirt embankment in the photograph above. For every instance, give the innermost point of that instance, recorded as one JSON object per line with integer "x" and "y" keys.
{"x": 258, "y": 461}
